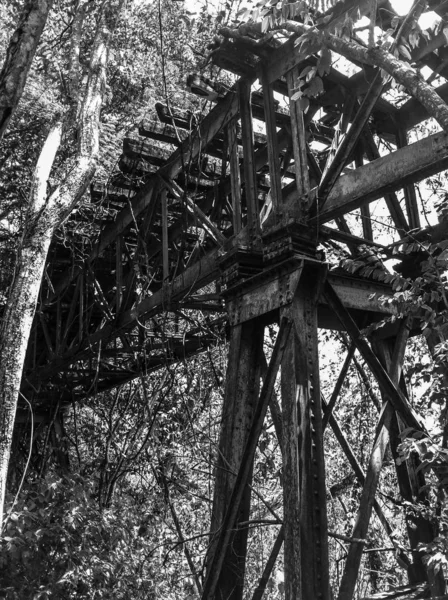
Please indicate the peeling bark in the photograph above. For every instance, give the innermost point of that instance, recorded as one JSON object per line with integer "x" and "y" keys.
{"x": 19, "y": 57}
{"x": 45, "y": 214}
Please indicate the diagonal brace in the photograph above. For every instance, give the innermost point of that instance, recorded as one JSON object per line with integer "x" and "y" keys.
{"x": 338, "y": 386}
{"x": 395, "y": 395}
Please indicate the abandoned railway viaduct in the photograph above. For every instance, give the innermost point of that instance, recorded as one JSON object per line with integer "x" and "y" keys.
{"x": 227, "y": 214}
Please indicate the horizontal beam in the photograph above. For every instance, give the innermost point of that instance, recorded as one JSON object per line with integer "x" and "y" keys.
{"x": 198, "y": 275}
{"x": 263, "y": 294}
{"x": 386, "y": 174}
{"x": 355, "y": 294}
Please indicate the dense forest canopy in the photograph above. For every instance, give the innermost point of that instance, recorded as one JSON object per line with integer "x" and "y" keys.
{"x": 109, "y": 491}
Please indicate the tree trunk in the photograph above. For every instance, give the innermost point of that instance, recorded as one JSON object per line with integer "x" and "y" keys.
{"x": 19, "y": 57}
{"x": 44, "y": 216}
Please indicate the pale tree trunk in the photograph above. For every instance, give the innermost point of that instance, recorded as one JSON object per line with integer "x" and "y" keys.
{"x": 19, "y": 57}
{"x": 44, "y": 215}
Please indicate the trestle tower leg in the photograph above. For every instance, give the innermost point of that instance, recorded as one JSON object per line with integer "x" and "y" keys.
{"x": 305, "y": 511}
{"x": 241, "y": 394}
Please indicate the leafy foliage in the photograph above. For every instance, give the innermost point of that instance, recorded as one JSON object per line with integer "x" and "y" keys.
{"x": 59, "y": 544}
{"x": 131, "y": 518}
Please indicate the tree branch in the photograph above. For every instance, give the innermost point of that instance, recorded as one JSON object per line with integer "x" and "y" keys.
{"x": 24, "y": 290}
{"x": 402, "y": 72}
{"x": 378, "y": 57}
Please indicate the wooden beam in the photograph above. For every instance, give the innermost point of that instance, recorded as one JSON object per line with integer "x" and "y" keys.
{"x": 206, "y": 130}
{"x": 285, "y": 58}
{"x": 386, "y": 174}
{"x": 162, "y": 132}
{"x": 348, "y": 238}
{"x": 126, "y": 217}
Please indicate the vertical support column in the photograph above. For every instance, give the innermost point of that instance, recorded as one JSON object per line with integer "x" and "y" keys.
{"x": 305, "y": 512}
{"x": 250, "y": 178}
{"x": 298, "y": 135}
{"x": 235, "y": 176}
{"x": 409, "y": 190}
{"x": 272, "y": 143}
{"x": 241, "y": 394}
